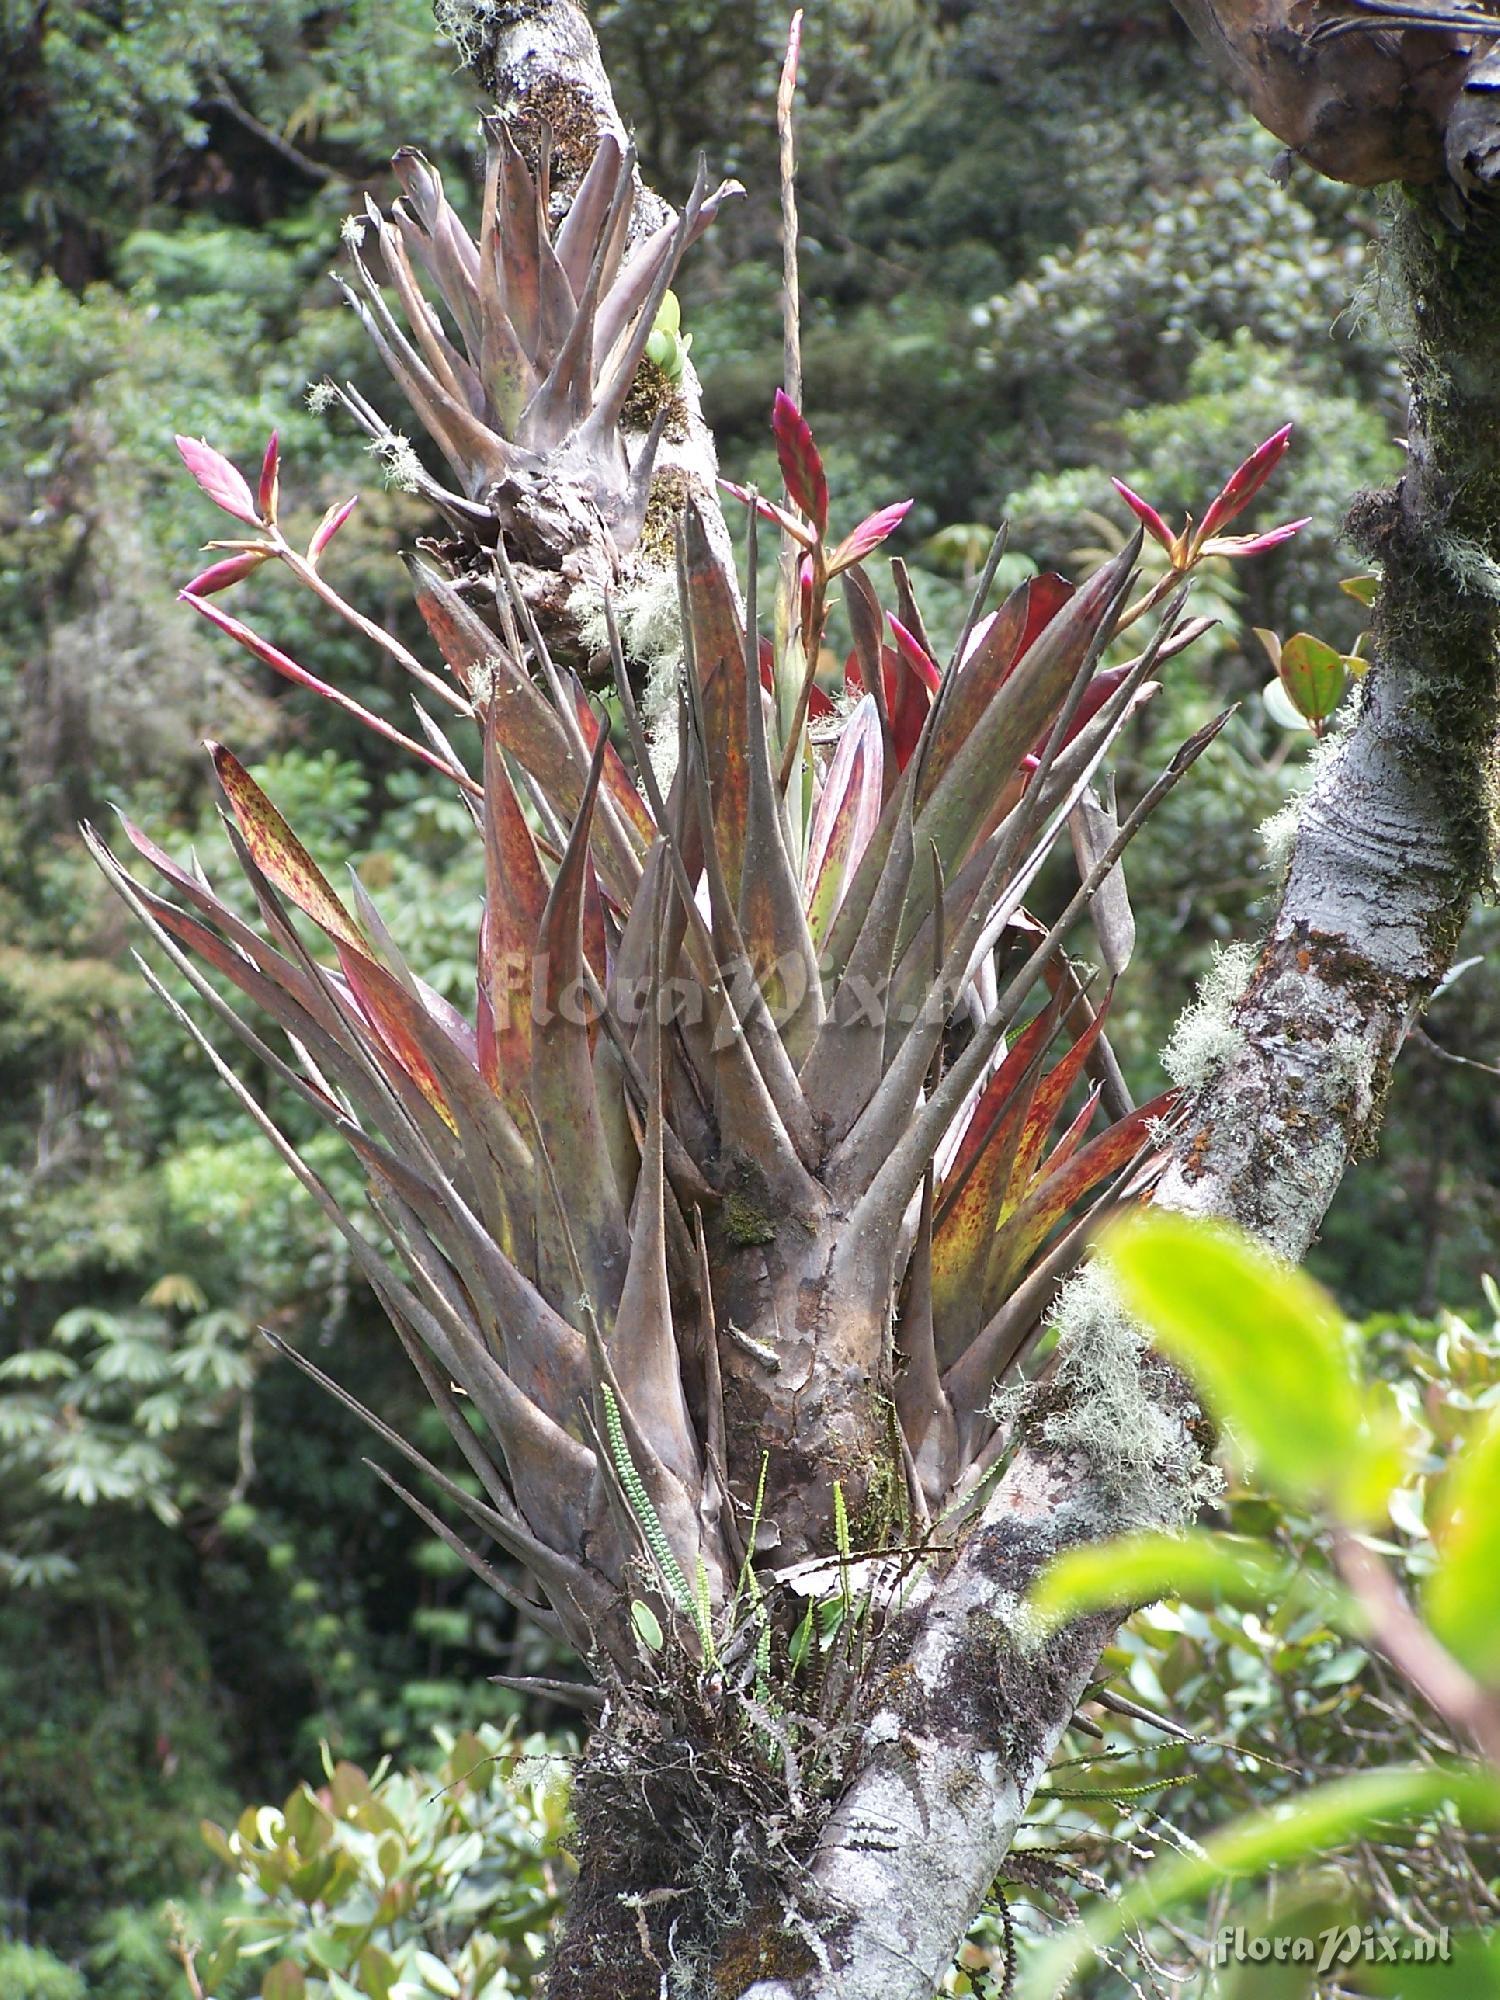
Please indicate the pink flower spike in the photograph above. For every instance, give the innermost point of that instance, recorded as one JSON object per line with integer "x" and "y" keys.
{"x": 868, "y": 536}
{"x": 329, "y": 526}
{"x": 220, "y": 481}
{"x": 801, "y": 461}
{"x": 1238, "y": 546}
{"x": 1144, "y": 512}
{"x": 220, "y": 575}
{"x": 1245, "y": 482}
{"x": 270, "y": 467}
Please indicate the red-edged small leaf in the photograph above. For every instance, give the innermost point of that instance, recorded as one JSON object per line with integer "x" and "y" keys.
{"x": 270, "y": 480}
{"x": 975, "y": 1194}
{"x": 1314, "y": 676}
{"x": 279, "y": 854}
{"x": 1245, "y": 482}
{"x": 907, "y": 701}
{"x": 223, "y": 484}
{"x": 220, "y": 575}
{"x": 400, "y": 1021}
{"x": 998, "y": 646}
{"x": 1076, "y": 1133}
{"x": 801, "y": 461}
{"x": 1236, "y": 547}
{"x": 329, "y": 526}
{"x": 1155, "y": 526}
{"x": 1093, "y": 698}
{"x": 1051, "y": 1094}
{"x": 868, "y": 536}
{"x": 846, "y": 814}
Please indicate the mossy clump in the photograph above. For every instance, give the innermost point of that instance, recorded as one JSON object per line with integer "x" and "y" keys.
{"x": 653, "y": 391}
{"x": 671, "y": 490}
{"x": 744, "y": 1223}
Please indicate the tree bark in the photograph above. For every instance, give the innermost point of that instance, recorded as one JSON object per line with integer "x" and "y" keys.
{"x": 1394, "y": 841}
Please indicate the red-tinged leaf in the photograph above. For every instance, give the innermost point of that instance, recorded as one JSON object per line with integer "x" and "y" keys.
{"x": 515, "y": 895}
{"x": 1051, "y": 1094}
{"x": 963, "y": 787}
{"x": 769, "y": 511}
{"x": 996, "y": 1099}
{"x": 279, "y": 854}
{"x": 223, "y": 484}
{"x": 1045, "y": 597}
{"x": 975, "y": 1192}
{"x": 1093, "y": 698}
{"x": 563, "y": 1091}
{"x": 998, "y": 645}
{"x": 846, "y": 814}
{"x": 270, "y": 480}
{"x": 1245, "y": 482}
{"x": 907, "y": 700}
{"x": 617, "y": 780}
{"x": 867, "y": 537}
{"x": 1076, "y": 1133}
{"x": 1049, "y": 1201}
{"x": 400, "y": 1021}
{"x": 819, "y": 705}
{"x": 220, "y": 575}
{"x": 801, "y": 461}
{"x": 1237, "y": 547}
{"x": 915, "y": 654}
{"x": 329, "y": 526}
{"x": 1144, "y": 512}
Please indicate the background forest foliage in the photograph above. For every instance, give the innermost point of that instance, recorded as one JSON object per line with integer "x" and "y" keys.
{"x": 1039, "y": 249}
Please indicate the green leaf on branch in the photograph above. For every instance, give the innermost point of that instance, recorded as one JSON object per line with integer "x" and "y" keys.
{"x": 1462, "y": 1597}
{"x": 1140, "y": 1569}
{"x": 1268, "y": 1349}
{"x": 1316, "y": 1824}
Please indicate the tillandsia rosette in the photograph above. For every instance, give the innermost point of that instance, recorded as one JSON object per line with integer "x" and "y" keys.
{"x": 778, "y": 1114}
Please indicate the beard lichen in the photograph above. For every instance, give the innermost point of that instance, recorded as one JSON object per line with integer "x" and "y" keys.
{"x": 1105, "y": 1399}
{"x": 1206, "y": 1038}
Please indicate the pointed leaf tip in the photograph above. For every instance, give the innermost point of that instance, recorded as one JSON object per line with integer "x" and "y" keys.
{"x": 269, "y": 488}
{"x": 868, "y": 536}
{"x": 220, "y": 575}
{"x": 220, "y": 480}
{"x": 1245, "y": 482}
{"x": 1144, "y": 512}
{"x": 329, "y": 526}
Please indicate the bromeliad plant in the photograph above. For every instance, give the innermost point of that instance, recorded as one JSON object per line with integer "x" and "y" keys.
{"x": 779, "y": 1115}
